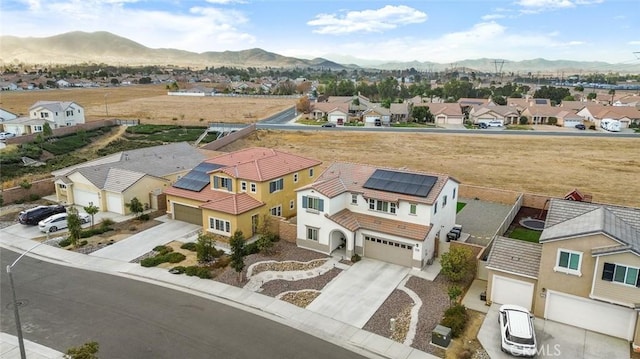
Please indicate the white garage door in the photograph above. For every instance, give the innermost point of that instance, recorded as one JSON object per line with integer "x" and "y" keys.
{"x": 590, "y": 314}
{"x": 388, "y": 251}
{"x": 114, "y": 203}
{"x": 85, "y": 198}
{"x": 571, "y": 123}
{"x": 511, "y": 291}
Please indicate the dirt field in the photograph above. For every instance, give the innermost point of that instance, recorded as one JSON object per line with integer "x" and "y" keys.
{"x": 608, "y": 168}
{"x": 151, "y": 104}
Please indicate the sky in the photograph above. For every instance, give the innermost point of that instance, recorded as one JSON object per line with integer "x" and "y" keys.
{"x": 352, "y": 31}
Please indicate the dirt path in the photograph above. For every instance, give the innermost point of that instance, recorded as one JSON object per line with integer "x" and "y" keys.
{"x": 90, "y": 150}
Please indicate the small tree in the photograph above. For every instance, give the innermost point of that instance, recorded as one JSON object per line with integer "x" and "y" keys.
{"x": 454, "y": 292}
{"x": 205, "y": 247}
{"x": 85, "y": 351}
{"x": 74, "y": 225}
{"x": 92, "y": 210}
{"x": 135, "y": 206}
{"x": 457, "y": 263}
{"x": 523, "y": 120}
{"x": 237, "y": 253}
{"x": 46, "y": 130}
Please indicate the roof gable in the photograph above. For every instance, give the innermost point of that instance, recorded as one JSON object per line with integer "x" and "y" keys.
{"x": 515, "y": 256}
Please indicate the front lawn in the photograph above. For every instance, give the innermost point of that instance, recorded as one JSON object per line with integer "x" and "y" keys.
{"x": 460, "y": 206}
{"x": 525, "y": 234}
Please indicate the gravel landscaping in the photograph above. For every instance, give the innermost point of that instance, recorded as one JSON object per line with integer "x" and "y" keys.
{"x": 435, "y": 301}
{"x": 275, "y": 287}
{"x": 393, "y": 307}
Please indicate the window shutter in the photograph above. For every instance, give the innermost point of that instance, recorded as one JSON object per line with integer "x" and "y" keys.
{"x": 638, "y": 280}
{"x": 272, "y": 187}
{"x": 281, "y": 183}
{"x": 215, "y": 181}
{"x": 321, "y": 205}
{"x": 607, "y": 273}
{"x": 304, "y": 202}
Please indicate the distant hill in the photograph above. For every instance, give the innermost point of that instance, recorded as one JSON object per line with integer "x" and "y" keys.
{"x": 104, "y": 47}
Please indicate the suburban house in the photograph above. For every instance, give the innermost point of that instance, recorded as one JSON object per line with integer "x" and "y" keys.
{"x": 394, "y": 215}
{"x": 584, "y": 272}
{"x": 376, "y": 116}
{"x": 540, "y": 114}
{"x": 568, "y": 118}
{"x": 235, "y": 191}
{"x": 55, "y": 113}
{"x": 505, "y": 115}
{"x": 6, "y": 116}
{"x": 112, "y": 181}
{"x": 444, "y": 113}
{"x": 625, "y": 114}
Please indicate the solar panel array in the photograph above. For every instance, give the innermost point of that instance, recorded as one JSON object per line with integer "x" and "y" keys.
{"x": 197, "y": 178}
{"x": 412, "y": 184}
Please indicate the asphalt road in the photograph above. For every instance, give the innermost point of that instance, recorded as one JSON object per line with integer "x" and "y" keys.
{"x": 64, "y": 307}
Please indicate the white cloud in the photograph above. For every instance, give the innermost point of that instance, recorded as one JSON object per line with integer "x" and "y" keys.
{"x": 536, "y": 6}
{"x": 378, "y": 20}
{"x": 492, "y": 17}
{"x": 633, "y": 42}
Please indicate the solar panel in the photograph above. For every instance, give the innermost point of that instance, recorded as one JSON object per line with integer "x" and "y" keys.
{"x": 412, "y": 184}
{"x": 197, "y": 178}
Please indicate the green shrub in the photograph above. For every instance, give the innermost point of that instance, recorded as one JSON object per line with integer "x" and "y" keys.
{"x": 83, "y": 243}
{"x": 150, "y": 262}
{"x": 64, "y": 242}
{"x": 455, "y": 318}
{"x": 355, "y": 258}
{"x": 86, "y": 233}
{"x": 178, "y": 270}
{"x": 144, "y": 217}
{"x": 222, "y": 262}
{"x": 107, "y": 222}
{"x": 174, "y": 257}
{"x": 162, "y": 249}
{"x": 200, "y": 272}
{"x": 251, "y": 248}
{"x": 34, "y": 197}
{"x": 170, "y": 257}
{"x": 190, "y": 246}
{"x": 19, "y": 201}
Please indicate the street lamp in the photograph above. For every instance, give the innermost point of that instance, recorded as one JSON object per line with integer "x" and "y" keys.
{"x": 23, "y": 354}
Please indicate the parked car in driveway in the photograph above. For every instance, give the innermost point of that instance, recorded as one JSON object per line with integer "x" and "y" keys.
{"x": 34, "y": 215}
{"x": 581, "y": 126}
{"x": 518, "y": 336}
{"x": 5, "y": 135}
{"x": 59, "y": 221}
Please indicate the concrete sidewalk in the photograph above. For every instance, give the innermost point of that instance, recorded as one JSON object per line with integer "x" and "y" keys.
{"x": 9, "y": 349}
{"x": 357, "y": 293}
{"x": 324, "y": 327}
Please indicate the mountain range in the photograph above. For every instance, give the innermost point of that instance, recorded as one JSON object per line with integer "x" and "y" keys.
{"x": 104, "y": 47}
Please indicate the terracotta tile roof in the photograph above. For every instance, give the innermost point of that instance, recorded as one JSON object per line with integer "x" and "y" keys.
{"x": 355, "y": 221}
{"x": 205, "y": 195}
{"x": 343, "y": 177}
{"x": 330, "y": 107}
{"x": 234, "y": 204}
{"x": 449, "y": 109}
{"x": 261, "y": 164}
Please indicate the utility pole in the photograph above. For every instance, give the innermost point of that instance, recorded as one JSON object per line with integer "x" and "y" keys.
{"x": 498, "y": 72}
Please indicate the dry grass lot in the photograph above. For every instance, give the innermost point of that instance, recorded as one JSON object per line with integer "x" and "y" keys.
{"x": 608, "y": 168}
{"x": 151, "y": 104}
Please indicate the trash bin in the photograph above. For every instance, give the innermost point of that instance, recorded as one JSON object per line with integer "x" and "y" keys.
{"x": 441, "y": 336}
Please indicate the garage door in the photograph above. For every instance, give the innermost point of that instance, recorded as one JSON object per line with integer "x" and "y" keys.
{"x": 571, "y": 123}
{"x": 589, "y": 314}
{"x": 114, "y": 203}
{"x": 388, "y": 251}
{"x": 187, "y": 214}
{"x": 506, "y": 290}
{"x": 85, "y": 198}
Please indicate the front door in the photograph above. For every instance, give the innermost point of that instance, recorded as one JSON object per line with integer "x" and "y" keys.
{"x": 254, "y": 224}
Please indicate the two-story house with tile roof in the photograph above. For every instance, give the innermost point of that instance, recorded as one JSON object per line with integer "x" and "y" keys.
{"x": 235, "y": 191}
{"x": 394, "y": 215}
{"x": 113, "y": 181}
{"x": 584, "y": 272}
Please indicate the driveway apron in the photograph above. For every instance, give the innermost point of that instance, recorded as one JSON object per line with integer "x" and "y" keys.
{"x": 355, "y": 295}
{"x": 133, "y": 247}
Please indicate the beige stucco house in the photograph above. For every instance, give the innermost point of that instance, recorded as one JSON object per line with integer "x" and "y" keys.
{"x": 588, "y": 269}
{"x": 113, "y": 181}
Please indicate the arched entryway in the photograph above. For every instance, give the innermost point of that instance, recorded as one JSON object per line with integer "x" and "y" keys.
{"x": 337, "y": 242}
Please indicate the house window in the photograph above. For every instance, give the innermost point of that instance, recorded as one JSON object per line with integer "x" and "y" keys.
{"x": 295, "y": 177}
{"x": 454, "y": 194}
{"x": 44, "y": 114}
{"x": 621, "y": 274}
{"x": 276, "y": 185}
{"x": 62, "y": 186}
{"x": 291, "y": 204}
{"x": 312, "y": 234}
{"x": 243, "y": 186}
{"x": 413, "y": 209}
{"x": 444, "y": 201}
{"x": 276, "y": 211}
{"x": 382, "y": 206}
{"x": 37, "y": 128}
{"x": 222, "y": 182}
{"x": 253, "y": 188}
{"x": 219, "y": 225}
{"x": 70, "y": 113}
{"x": 313, "y": 203}
{"x": 435, "y": 207}
{"x": 354, "y": 198}
{"x": 569, "y": 262}
{"x": 310, "y": 172}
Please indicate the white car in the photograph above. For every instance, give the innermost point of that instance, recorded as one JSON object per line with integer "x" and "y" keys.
{"x": 5, "y": 135}
{"x": 59, "y": 221}
{"x": 516, "y": 331}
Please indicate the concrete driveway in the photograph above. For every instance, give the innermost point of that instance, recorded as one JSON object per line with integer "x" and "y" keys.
{"x": 555, "y": 340}
{"x": 133, "y": 247}
{"x": 21, "y": 231}
{"x": 357, "y": 293}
